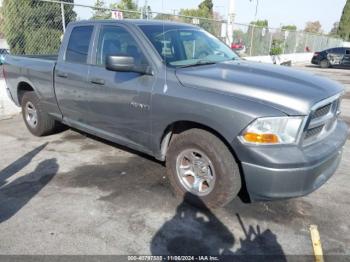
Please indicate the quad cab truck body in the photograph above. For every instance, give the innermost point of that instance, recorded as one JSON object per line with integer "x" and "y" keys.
{"x": 175, "y": 92}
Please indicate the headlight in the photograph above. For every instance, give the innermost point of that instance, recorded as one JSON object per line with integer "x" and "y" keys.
{"x": 273, "y": 130}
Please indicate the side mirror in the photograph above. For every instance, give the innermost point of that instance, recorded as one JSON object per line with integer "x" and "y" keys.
{"x": 126, "y": 64}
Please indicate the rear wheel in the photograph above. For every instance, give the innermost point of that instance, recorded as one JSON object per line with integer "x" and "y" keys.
{"x": 38, "y": 122}
{"x": 202, "y": 170}
{"x": 324, "y": 63}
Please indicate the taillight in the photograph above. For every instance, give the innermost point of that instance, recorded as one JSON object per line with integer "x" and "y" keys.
{"x": 316, "y": 53}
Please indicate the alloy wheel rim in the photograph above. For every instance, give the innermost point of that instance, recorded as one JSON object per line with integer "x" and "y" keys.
{"x": 195, "y": 172}
{"x": 31, "y": 115}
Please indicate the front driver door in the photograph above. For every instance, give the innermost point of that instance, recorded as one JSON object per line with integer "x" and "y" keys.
{"x": 120, "y": 102}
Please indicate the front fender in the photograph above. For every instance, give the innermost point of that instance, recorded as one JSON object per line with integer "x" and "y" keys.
{"x": 226, "y": 115}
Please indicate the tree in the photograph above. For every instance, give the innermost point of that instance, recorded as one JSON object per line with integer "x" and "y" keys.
{"x": 207, "y": 7}
{"x": 205, "y": 10}
{"x": 165, "y": 17}
{"x": 34, "y": 27}
{"x": 334, "y": 30}
{"x": 313, "y": 27}
{"x": 1, "y": 24}
{"x": 99, "y": 11}
{"x": 276, "y": 48}
{"x": 127, "y": 5}
{"x": 260, "y": 23}
{"x": 344, "y": 24}
{"x": 289, "y": 28}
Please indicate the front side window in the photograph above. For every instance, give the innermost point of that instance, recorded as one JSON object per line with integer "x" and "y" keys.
{"x": 78, "y": 45}
{"x": 116, "y": 41}
{"x": 186, "y": 46}
{"x": 340, "y": 51}
{"x": 347, "y": 51}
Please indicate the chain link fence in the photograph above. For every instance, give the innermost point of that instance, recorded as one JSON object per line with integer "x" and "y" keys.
{"x": 37, "y": 27}
{"x": 251, "y": 40}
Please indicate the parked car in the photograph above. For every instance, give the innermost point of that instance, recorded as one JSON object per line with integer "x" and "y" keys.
{"x": 175, "y": 92}
{"x": 238, "y": 47}
{"x": 333, "y": 57}
{"x": 3, "y": 52}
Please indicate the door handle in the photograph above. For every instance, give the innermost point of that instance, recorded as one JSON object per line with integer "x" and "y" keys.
{"x": 97, "y": 81}
{"x": 62, "y": 75}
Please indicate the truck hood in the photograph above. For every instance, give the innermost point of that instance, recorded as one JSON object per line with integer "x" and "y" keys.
{"x": 291, "y": 91}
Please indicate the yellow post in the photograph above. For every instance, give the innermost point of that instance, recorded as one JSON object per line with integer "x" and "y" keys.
{"x": 316, "y": 243}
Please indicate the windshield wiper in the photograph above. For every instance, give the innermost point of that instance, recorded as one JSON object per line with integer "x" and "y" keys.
{"x": 199, "y": 63}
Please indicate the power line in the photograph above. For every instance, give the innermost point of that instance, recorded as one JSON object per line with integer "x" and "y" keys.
{"x": 256, "y": 8}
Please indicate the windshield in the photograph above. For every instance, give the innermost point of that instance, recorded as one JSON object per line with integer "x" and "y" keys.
{"x": 184, "y": 46}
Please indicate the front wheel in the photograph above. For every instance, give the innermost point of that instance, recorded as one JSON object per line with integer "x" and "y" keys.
{"x": 202, "y": 170}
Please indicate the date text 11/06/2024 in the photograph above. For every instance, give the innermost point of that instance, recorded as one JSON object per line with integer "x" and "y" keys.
{"x": 173, "y": 258}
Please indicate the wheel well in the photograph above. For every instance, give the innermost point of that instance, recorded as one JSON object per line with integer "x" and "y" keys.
{"x": 181, "y": 126}
{"x": 21, "y": 89}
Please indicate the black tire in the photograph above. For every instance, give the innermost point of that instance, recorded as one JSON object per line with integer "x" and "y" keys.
{"x": 227, "y": 182}
{"x": 45, "y": 124}
{"x": 325, "y": 63}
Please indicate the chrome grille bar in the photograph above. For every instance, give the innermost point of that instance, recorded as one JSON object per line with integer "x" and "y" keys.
{"x": 322, "y": 120}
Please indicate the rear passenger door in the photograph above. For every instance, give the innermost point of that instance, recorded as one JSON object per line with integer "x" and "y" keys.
{"x": 71, "y": 75}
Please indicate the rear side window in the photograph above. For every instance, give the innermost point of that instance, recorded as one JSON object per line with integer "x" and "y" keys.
{"x": 78, "y": 45}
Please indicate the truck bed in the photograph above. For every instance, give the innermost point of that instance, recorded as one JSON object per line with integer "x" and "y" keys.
{"x": 37, "y": 70}
{"x": 41, "y": 57}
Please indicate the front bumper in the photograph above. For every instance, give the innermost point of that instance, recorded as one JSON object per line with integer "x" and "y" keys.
{"x": 277, "y": 172}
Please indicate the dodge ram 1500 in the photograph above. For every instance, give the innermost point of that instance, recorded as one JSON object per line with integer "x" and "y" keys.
{"x": 177, "y": 93}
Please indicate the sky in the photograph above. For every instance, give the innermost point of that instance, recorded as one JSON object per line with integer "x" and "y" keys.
{"x": 277, "y": 12}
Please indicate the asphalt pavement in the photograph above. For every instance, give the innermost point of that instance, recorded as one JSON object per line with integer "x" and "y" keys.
{"x": 74, "y": 194}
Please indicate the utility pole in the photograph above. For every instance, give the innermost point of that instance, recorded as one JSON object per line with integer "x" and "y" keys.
{"x": 144, "y": 10}
{"x": 63, "y": 18}
{"x": 230, "y": 21}
{"x": 146, "y": 7}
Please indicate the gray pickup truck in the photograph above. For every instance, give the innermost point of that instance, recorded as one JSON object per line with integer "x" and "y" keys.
{"x": 175, "y": 92}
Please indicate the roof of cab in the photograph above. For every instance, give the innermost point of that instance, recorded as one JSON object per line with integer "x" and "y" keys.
{"x": 137, "y": 22}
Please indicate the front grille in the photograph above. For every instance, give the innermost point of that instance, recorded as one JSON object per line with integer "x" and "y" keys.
{"x": 324, "y": 110}
{"x": 321, "y": 121}
{"x": 313, "y": 131}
